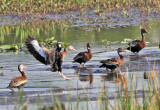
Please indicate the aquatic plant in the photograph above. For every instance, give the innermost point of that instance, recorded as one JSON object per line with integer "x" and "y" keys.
{"x": 9, "y": 48}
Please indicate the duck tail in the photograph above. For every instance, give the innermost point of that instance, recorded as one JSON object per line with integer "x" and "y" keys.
{"x": 101, "y": 66}
{"x": 8, "y": 87}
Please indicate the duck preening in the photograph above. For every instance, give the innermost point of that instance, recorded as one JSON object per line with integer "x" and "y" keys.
{"x": 83, "y": 57}
{"x": 53, "y": 57}
{"x": 137, "y": 45}
{"x": 113, "y": 62}
{"x": 18, "y": 81}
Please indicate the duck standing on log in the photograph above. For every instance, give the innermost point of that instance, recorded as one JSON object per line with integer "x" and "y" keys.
{"x": 18, "y": 81}
{"x": 53, "y": 57}
{"x": 83, "y": 57}
{"x": 113, "y": 62}
{"x": 137, "y": 45}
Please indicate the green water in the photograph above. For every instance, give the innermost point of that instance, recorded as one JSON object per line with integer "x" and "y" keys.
{"x": 79, "y": 35}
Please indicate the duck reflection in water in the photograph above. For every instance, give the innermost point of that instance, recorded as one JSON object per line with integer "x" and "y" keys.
{"x": 114, "y": 76}
{"x": 86, "y": 78}
{"x": 57, "y": 106}
{"x": 85, "y": 74}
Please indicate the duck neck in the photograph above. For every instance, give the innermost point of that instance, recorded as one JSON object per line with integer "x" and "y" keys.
{"x": 64, "y": 53}
{"x": 121, "y": 57}
{"x": 89, "y": 50}
{"x": 143, "y": 38}
{"x": 22, "y": 72}
{"x": 65, "y": 50}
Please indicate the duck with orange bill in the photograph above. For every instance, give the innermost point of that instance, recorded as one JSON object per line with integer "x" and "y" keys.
{"x": 18, "y": 81}
{"x": 137, "y": 45}
{"x": 83, "y": 57}
{"x": 53, "y": 57}
{"x": 113, "y": 63}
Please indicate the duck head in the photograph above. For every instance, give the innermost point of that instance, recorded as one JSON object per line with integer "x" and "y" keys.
{"x": 58, "y": 46}
{"x": 88, "y": 46}
{"x": 144, "y": 31}
{"x": 120, "y": 50}
{"x": 21, "y": 67}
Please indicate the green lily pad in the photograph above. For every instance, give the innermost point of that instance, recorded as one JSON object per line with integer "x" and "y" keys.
{"x": 1, "y": 67}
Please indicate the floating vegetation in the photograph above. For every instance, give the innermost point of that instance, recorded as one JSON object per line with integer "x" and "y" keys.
{"x": 126, "y": 40}
{"x": 106, "y": 43}
{"x": 9, "y": 48}
{"x": 49, "y": 42}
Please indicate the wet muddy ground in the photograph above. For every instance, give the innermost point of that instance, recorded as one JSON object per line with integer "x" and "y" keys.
{"x": 90, "y": 17}
{"x": 44, "y": 86}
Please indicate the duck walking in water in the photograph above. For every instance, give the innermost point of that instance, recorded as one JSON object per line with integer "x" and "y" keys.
{"x": 113, "y": 62}
{"x": 137, "y": 45}
{"x": 53, "y": 57}
{"x": 83, "y": 57}
{"x": 18, "y": 81}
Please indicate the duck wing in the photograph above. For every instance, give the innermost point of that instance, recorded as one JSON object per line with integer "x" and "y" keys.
{"x": 112, "y": 61}
{"x": 16, "y": 81}
{"x": 81, "y": 55}
{"x": 134, "y": 43}
{"x": 37, "y": 50}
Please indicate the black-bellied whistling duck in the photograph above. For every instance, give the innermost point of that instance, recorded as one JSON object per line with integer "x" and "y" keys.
{"x": 113, "y": 62}
{"x": 18, "y": 81}
{"x": 53, "y": 57}
{"x": 83, "y": 57}
{"x": 137, "y": 45}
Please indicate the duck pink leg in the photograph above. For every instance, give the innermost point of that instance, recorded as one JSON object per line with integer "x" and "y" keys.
{"x": 65, "y": 78}
{"x": 80, "y": 65}
{"x": 84, "y": 65}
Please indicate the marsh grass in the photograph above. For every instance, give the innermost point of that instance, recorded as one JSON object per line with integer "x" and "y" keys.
{"x": 42, "y": 8}
{"x": 126, "y": 98}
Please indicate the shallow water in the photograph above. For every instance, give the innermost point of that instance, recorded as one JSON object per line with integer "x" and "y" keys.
{"x": 42, "y": 83}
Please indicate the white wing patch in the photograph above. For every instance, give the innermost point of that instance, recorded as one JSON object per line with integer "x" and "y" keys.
{"x": 133, "y": 44}
{"x": 110, "y": 63}
{"x": 77, "y": 57}
{"x": 38, "y": 48}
